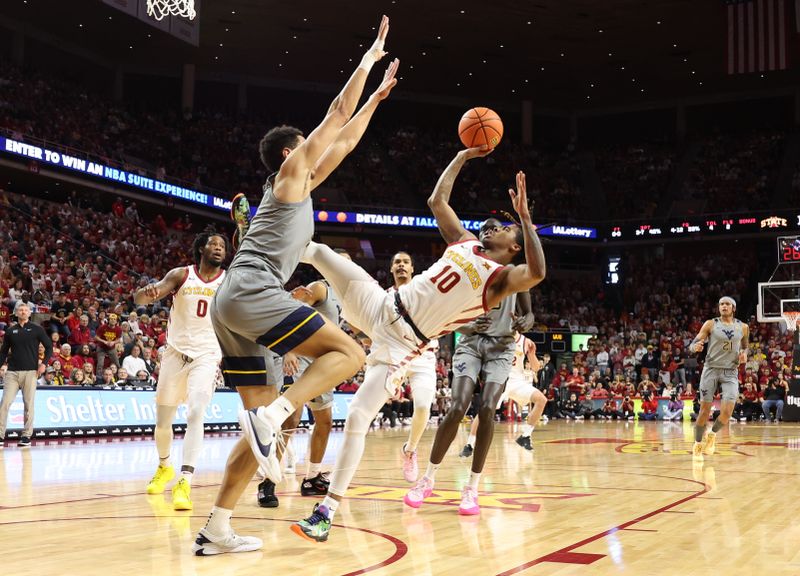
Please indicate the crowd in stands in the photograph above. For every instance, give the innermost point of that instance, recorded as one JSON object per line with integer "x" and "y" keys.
{"x": 633, "y": 178}
{"x": 735, "y": 172}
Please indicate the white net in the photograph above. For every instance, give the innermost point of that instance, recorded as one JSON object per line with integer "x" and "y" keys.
{"x": 791, "y": 318}
{"x": 159, "y": 9}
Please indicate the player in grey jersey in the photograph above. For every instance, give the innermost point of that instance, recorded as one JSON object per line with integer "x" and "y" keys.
{"x": 728, "y": 344}
{"x": 320, "y": 296}
{"x": 251, "y": 309}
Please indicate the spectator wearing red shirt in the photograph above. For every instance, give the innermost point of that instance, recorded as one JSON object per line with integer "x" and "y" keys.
{"x": 118, "y": 208}
{"x": 575, "y": 382}
{"x": 81, "y": 334}
{"x": 67, "y": 360}
{"x": 107, "y": 337}
{"x": 598, "y": 392}
{"x": 649, "y": 408}
{"x": 85, "y": 356}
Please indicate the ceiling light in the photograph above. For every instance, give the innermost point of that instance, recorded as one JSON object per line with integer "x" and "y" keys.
{"x": 462, "y": 12}
{"x": 562, "y": 54}
{"x": 674, "y": 45}
{"x": 513, "y": 91}
{"x": 80, "y": 25}
{"x": 622, "y": 67}
{"x": 529, "y": 22}
{"x": 542, "y": 68}
{"x": 233, "y": 11}
{"x": 658, "y": 22}
{"x": 600, "y": 31}
{"x": 610, "y": 54}
{"x": 438, "y": 37}
{"x": 693, "y": 72}
{"x": 220, "y": 44}
{"x": 642, "y": 90}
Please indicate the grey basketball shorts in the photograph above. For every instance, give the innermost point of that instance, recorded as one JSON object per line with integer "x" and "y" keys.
{"x": 724, "y": 379}
{"x": 251, "y": 311}
{"x": 483, "y": 357}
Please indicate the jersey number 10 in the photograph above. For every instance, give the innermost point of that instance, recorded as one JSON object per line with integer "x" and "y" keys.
{"x": 446, "y": 283}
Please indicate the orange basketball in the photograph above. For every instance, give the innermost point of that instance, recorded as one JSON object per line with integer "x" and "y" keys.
{"x": 480, "y": 126}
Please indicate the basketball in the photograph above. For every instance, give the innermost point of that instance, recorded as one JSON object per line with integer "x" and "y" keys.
{"x": 480, "y": 126}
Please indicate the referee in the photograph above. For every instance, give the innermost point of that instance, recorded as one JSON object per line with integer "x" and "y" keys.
{"x": 22, "y": 341}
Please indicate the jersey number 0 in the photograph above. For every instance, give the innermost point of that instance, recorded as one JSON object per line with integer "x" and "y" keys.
{"x": 202, "y": 308}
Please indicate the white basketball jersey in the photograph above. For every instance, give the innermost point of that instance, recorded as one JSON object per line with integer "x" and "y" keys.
{"x": 452, "y": 291}
{"x": 518, "y": 364}
{"x": 190, "y": 331}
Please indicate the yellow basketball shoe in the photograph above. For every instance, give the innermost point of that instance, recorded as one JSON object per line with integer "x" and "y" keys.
{"x": 163, "y": 475}
{"x": 181, "y": 495}
{"x": 697, "y": 452}
{"x": 710, "y": 444}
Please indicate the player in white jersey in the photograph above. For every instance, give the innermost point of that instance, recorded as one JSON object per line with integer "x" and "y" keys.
{"x": 191, "y": 359}
{"x": 521, "y": 390}
{"x": 421, "y": 375}
{"x": 467, "y": 280}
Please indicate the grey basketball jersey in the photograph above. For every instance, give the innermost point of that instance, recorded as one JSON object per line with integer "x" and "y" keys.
{"x": 500, "y": 328}
{"x": 724, "y": 344}
{"x": 278, "y": 235}
{"x": 330, "y": 307}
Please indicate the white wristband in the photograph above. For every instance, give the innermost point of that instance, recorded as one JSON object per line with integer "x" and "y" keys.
{"x": 367, "y": 62}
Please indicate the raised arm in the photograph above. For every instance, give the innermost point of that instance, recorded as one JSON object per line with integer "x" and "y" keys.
{"x": 523, "y": 277}
{"x": 341, "y": 109}
{"x": 156, "y": 291}
{"x": 700, "y": 340}
{"x": 348, "y": 137}
{"x": 439, "y": 201}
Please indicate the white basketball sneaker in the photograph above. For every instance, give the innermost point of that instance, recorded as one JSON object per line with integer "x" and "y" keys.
{"x": 262, "y": 438}
{"x": 207, "y": 544}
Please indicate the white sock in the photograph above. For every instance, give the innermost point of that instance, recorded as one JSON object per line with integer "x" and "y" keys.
{"x": 527, "y": 429}
{"x": 219, "y": 521}
{"x": 314, "y": 468}
{"x": 474, "y": 479}
{"x": 471, "y": 440}
{"x": 186, "y": 475}
{"x": 332, "y": 505}
{"x": 277, "y": 412}
{"x": 430, "y": 472}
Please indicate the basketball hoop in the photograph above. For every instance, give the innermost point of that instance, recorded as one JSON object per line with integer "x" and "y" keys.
{"x": 791, "y": 317}
{"x": 159, "y": 9}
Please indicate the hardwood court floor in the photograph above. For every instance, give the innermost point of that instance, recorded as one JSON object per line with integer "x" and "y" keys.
{"x": 594, "y": 498}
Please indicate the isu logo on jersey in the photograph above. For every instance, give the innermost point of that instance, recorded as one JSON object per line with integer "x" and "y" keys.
{"x": 466, "y": 266}
{"x": 198, "y": 291}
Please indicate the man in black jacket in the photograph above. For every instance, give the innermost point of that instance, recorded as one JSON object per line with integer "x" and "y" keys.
{"x": 22, "y": 341}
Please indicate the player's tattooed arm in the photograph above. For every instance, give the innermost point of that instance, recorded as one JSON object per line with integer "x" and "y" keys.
{"x": 450, "y": 226}
{"x": 157, "y": 290}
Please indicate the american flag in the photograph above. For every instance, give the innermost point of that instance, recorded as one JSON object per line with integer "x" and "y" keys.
{"x": 757, "y": 35}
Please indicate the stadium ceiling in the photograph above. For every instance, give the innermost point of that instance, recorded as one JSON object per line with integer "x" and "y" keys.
{"x": 565, "y": 54}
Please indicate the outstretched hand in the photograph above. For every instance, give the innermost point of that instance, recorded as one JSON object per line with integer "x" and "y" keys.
{"x": 476, "y": 152}
{"x": 389, "y": 80}
{"x": 519, "y": 198}
{"x": 376, "y": 50}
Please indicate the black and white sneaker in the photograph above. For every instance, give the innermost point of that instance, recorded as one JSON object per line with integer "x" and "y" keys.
{"x": 266, "y": 494}
{"x": 24, "y": 442}
{"x": 263, "y": 440}
{"x": 466, "y": 452}
{"x": 316, "y": 486}
{"x": 207, "y": 544}
{"x": 525, "y": 442}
